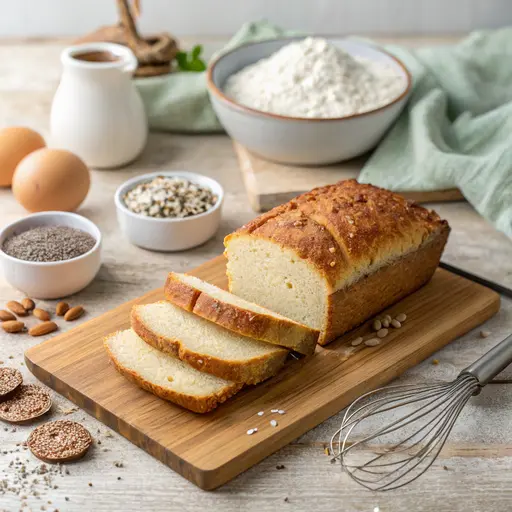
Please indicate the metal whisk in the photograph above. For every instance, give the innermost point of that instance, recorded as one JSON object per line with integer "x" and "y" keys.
{"x": 414, "y": 423}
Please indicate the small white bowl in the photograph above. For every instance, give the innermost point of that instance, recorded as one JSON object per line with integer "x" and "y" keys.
{"x": 56, "y": 279}
{"x": 173, "y": 234}
{"x": 301, "y": 140}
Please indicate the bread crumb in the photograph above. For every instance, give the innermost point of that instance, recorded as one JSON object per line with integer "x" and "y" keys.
{"x": 485, "y": 334}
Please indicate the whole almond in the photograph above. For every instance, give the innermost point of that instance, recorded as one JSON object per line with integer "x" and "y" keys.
{"x": 62, "y": 308}
{"x": 28, "y": 304}
{"x": 42, "y": 314}
{"x": 5, "y": 316}
{"x": 74, "y": 313}
{"x": 13, "y": 326}
{"x": 43, "y": 328}
{"x": 16, "y": 308}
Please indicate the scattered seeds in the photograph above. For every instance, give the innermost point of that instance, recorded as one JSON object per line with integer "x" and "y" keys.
{"x": 377, "y": 325}
{"x": 485, "y": 334}
{"x": 41, "y": 314}
{"x": 388, "y": 318}
{"x": 382, "y": 333}
{"x": 435, "y": 361}
{"x": 13, "y": 326}
{"x": 16, "y": 308}
{"x": 274, "y": 410}
{"x": 401, "y": 317}
{"x": 251, "y": 431}
{"x": 385, "y": 323}
{"x": 74, "y": 313}
{"x": 280, "y": 466}
{"x": 29, "y": 402}
{"x": 62, "y": 308}
{"x": 273, "y": 423}
{"x": 59, "y": 441}
{"x": 261, "y": 413}
{"x": 280, "y": 411}
{"x": 5, "y": 316}
{"x": 28, "y": 304}
{"x": 372, "y": 342}
{"x": 395, "y": 323}
{"x": 357, "y": 341}
{"x": 10, "y": 379}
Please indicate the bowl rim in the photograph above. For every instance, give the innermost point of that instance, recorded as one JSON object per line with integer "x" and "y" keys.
{"x": 192, "y": 176}
{"x": 92, "y": 225}
{"x": 238, "y": 106}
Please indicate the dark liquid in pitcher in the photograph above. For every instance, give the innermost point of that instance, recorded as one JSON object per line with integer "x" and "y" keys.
{"x": 96, "y": 56}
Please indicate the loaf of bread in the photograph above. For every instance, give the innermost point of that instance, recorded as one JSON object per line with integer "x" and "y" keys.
{"x": 335, "y": 256}
{"x": 206, "y": 346}
{"x": 165, "y": 376}
{"x": 238, "y": 315}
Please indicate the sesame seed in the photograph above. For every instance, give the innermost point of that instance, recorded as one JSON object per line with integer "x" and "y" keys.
{"x": 273, "y": 423}
{"x": 251, "y": 431}
{"x": 261, "y": 413}
{"x": 357, "y": 341}
{"x": 280, "y": 411}
{"x": 274, "y": 410}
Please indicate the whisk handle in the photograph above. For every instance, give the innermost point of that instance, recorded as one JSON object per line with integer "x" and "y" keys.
{"x": 491, "y": 363}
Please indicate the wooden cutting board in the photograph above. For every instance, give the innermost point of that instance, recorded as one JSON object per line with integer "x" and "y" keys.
{"x": 211, "y": 449}
{"x": 269, "y": 184}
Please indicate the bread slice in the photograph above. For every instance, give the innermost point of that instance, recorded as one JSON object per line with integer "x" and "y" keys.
{"x": 165, "y": 376}
{"x": 334, "y": 257}
{"x": 206, "y": 346}
{"x": 238, "y": 315}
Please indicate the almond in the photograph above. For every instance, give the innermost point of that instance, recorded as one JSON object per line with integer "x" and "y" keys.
{"x": 43, "y": 328}
{"x": 28, "y": 304}
{"x": 62, "y": 308}
{"x": 41, "y": 314}
{"x": 74, "y": 313}
{"x": 6, "y": 316}
{"x": 13, "y": 326}
{"x": 16, "y": 308}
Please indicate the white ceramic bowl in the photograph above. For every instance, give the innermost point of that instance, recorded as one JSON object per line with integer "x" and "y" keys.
{"x": 297, "y": 140}
{"x": 51, "y": 280}
{"x": 173, "y": 234}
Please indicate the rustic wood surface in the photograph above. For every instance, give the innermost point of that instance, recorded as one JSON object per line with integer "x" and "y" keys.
{"x": 269, "y": 184}
{"x": 309, "y": 390}
{"x": 474, "y": 471}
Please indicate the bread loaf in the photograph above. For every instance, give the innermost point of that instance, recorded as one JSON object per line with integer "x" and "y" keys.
{"x": 238, "y": 315}
{"x": 335, "y": 256}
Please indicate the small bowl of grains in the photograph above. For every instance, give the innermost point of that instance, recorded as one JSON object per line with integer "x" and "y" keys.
{"x": 170, "y": 210}
{"x": 50, "y": 255}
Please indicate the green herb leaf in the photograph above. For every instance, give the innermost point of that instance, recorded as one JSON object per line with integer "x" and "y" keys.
{"x": 191, "y": 62}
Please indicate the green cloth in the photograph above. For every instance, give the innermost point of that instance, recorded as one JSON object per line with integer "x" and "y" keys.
{"x": 456, "y": 130}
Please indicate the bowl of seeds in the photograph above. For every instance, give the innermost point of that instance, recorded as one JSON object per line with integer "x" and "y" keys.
{"x": 169, "y": 211}
{"x": 50, "y": 255}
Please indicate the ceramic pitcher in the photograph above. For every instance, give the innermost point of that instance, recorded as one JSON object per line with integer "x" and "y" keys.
{"x": 97, "y": 112}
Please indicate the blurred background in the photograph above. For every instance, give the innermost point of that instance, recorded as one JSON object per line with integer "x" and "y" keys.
{"x": 43, "y": 18}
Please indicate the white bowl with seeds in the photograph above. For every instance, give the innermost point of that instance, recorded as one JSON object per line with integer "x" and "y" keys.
{"x": 169, "y": 210}
{"x": 50, "y": 255}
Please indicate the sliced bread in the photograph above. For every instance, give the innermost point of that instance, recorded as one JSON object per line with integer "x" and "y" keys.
{"x": 166, "y": 376}
{"x": 204, "y": 345}
{"x": 238, "y": 315}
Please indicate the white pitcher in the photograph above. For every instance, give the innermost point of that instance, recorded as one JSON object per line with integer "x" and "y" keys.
{"x": 97, "y": 112}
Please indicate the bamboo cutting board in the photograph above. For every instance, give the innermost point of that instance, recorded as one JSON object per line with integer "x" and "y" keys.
{"x": 269, "y": 184}
{"x": 211, "y": 449}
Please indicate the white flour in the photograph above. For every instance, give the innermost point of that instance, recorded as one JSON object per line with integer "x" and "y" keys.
{"x": 312, "y": 78}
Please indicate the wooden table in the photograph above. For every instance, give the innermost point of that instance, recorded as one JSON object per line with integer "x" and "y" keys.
{"x": 474, "y": 471}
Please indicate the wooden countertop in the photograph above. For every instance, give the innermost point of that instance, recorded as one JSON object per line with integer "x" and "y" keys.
{"x": 474, "y": 471}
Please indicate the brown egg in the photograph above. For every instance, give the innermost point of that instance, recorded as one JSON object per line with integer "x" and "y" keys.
{"x": 51, "y": 179}
{"x": 16, "y": 143}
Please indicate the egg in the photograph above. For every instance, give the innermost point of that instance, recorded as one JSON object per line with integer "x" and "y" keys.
{"x": 16, "y": 143}
{"x": 51, "y": 179}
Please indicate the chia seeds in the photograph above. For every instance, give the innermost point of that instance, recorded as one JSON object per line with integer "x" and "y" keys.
{"x": 168, "y": 197}
{"x": 49, "y": 243}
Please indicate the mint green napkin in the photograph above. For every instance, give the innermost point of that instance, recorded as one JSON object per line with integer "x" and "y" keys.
{"x": 457, "y": 128}
{"x": 455, "y": 132}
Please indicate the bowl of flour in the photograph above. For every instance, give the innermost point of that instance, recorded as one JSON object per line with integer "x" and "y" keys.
{"x": 308, "y": 101}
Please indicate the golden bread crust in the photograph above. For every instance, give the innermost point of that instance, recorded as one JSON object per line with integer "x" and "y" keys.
{"x": 259, "y": 326}
{"x": 201, "y": 404}
{"x": 343, "y": 229}
{"x": 245, "y": 372}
